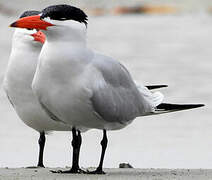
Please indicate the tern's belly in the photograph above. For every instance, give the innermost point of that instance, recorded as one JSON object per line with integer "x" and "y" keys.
{"x": 29, "y": 110}
{"x": 73, "y": 106}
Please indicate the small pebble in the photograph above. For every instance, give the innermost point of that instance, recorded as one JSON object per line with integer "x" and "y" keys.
{"x": 125, "y": 165}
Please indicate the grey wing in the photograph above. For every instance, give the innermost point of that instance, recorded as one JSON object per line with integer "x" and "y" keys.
{"x": 118, "y": 99}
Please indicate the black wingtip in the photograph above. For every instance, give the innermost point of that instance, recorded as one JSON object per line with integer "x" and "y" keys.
{"x": 177, "y": 107}
{"x": 150, "y": 87}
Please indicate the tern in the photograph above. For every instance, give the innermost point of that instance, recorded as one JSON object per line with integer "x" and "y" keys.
{"x": 81, "y": 87}
{"x": 26, "y": 47}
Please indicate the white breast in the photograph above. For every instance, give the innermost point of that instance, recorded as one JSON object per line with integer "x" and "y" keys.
{"x": 17, "y": 84}
{"x": 63, "y": 83}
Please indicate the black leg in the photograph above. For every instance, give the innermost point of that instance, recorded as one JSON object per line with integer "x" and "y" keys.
{"x": 41, "y": 143}
{"x": 79, "y": 140}
{"x": 76, "y": 144}
{"x": 104, "y": 142}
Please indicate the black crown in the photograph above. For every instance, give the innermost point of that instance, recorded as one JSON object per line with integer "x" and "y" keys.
{"x": 64, "y": 12}
{"x": 29, "y": 13}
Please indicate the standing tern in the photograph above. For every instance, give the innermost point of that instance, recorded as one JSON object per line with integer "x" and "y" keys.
{"x": 26, "y": 47}
{"x": 83, "y": 88}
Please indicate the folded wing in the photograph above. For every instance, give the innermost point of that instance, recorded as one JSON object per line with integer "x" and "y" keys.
{"x": 117, "y": 99}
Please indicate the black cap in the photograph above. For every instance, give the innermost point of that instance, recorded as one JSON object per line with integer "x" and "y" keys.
{"x": 29, "y": 13}
{"x": 64, "y": 12}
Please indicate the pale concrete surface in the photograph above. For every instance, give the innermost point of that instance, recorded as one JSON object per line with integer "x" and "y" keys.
{"x": 122, "y": 174}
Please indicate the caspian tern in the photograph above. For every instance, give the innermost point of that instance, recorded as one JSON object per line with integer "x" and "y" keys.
{"x": 83, "y": 88}
{"x": 26, "y": 47}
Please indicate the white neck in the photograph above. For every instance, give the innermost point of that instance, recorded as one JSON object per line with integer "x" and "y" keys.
{"x": 67, "y": 31}
{"x": 64, "y": 51}
{"x": 23, "y": 41}
{"x": 23, "y": 61}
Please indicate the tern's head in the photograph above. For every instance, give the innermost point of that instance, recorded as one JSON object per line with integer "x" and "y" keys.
{"x": 29, "y": 36}
{"x": 58, "y": 21}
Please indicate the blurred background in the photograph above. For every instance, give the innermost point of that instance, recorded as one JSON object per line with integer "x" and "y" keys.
{"x": 160, "y": 42}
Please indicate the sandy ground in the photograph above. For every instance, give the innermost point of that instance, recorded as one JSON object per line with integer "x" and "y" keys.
{"x": 154, "y": 174}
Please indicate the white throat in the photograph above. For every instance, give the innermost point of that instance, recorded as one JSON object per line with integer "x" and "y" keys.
{"x": 22, "y": 40}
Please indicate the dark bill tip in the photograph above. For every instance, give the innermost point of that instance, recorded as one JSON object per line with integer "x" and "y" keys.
{"x": 13, "y": 24}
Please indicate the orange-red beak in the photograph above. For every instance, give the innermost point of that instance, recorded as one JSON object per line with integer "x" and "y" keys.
{"x": 31, "y": 22}
{"x": 39, "y": 36}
